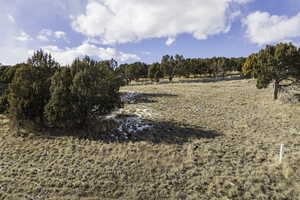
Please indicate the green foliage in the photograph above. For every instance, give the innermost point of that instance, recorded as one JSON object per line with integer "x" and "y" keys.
{"x": 25, "y": 99}
{"x": 177, "y": 65}
{"x": 168, "y": 66}
{"x": 82, "y": 93}
{"x": 216, "y": 66}
{"x": 59, "y": 110}
{"x": 186, "y": 68}
{"x": 251, "y": 67}
{"x": 43, "y": 60}
{"x": 66, "y": 97}
{"x": 7, "y": 73}
{"x": 29, "y": 90}
{"x": 155, "y": 72}
{"x": 133, "y": 71}
{"x": 277, "y": 63}
{"x": 4, "y": 103}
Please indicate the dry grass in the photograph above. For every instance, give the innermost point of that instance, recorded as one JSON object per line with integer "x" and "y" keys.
{"x": 210, "y": 141}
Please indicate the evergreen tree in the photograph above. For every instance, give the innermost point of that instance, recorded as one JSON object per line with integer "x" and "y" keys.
{"x": 60, "y": 109}
{"x": 29, "y": 90}
{"x": 155, "y": 72}
{"x": 25, "y": 95}
{"x": 251, "y": 66}
{"x": 168, "y": 66}
{"x": 278, "y": 63}
{"x": 83, "y": 93}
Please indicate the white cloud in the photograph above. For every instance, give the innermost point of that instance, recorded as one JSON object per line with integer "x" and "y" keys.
{"x": 23, "y": 37}
{"x": 13, "y": 48}
{"x": 170, "y": 41}
{"x": 44, "y": 35}
{"x": 263, "y": 28}
{"x": 16, "y": 43}
{"x": 59, "y": 34}
{"x": 67, "y": 55}
{"x": 243, "y": 1}
{"x": 11, "y": 18}
{"x": 47, "y": 35}
{"x": 119, "y": 21}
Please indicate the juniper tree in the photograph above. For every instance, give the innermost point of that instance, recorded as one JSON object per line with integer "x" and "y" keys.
{"x": 29, "y": 92}
{"x": 86, "y": 91}
{"x": 25, "y": 95}
{"x": 278, "y": 63}
{"x": 4, "y": 105}
{"x": 168, "y": 66}
{"x": 250, "y": 67}
{"x": 59, "y": 111}
{"x": 155, "y": 72}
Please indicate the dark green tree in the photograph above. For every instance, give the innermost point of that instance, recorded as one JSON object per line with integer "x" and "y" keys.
{"x": 25, "y": 96}
{"x": 251, "y": 66}
{"x": 29, "y": 92}
{"x": 278, "y": 63}
{"x": 60, "y": 109}
{"x": 7, "y": 74}
{"x": 4, "y": 102}
{"x": 168, "y": 66}
{"x": 155, "y": 72}
{"x": 83, "y": 93}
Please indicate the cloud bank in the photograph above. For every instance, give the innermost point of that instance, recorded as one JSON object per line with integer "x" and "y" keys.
{"x": 67, "y": 55}
{"x": 119, "y": 21}
{"x": 263, "y": 28}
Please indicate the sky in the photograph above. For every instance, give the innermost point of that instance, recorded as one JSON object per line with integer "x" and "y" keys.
{"x": 144, "y": 30}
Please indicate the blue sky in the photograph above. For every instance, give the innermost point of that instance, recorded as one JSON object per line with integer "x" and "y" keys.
{"x": 144, "y": 30}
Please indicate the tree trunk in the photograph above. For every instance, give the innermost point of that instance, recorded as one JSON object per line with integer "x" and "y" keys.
{"x": 276, "y": 89}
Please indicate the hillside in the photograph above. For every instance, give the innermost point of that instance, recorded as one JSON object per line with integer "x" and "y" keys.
{"x": 215, "y": 140}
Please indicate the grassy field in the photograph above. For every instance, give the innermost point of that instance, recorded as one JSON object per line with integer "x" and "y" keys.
{"x": 215, "y": 140}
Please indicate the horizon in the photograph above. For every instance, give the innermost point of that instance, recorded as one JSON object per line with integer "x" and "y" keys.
{"x": 145, "y": 30}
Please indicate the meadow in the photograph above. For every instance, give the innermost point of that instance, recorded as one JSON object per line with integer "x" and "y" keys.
{"x": 213, "y": 140}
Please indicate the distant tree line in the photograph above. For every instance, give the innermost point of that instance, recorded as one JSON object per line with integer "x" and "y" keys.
{"x": 276, "y": 64}
{"x": 178, "y": 66}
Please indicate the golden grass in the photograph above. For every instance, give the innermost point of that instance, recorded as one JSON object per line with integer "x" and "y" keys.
{"x": 210, "y": 141}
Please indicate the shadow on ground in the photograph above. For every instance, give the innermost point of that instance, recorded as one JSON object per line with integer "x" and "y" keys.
{"x": 147, "y": 97}
{"x": 160, "y": 132}
{"x": 137, "y": 97}
{"x": 173, "y": 133}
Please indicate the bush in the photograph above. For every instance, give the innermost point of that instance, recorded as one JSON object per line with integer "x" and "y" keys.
{"x": 155, "y": 72}
{"x": 67, "y": 97}
{"x": 29, "y": 89}
{"x": 59, "y": 110}
{"x": 277, "y": 64}
{"x": 3, "y": 104}
{"x": 25, "y": 96}
{"x": 7, "y": 73}
{"x": 82, "y": 93}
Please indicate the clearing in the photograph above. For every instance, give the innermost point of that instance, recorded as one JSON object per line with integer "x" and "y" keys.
{"x": 216, "y": 140}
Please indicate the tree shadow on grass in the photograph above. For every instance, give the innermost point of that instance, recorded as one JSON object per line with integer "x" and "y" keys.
{"x": 297, "y": 96}
{"x": 148, "y": 97}
{"x": 172, "y": 133}
{"x": 136, "y": 97}
{"x": 158, "y": 132}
